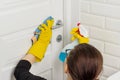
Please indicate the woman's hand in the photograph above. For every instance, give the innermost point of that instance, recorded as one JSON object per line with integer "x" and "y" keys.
{"x": 38, "y": 49}
{"x": 76, "y": 35}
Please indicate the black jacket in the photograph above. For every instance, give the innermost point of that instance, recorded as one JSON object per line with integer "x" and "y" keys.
{"x": 22, "y": 72}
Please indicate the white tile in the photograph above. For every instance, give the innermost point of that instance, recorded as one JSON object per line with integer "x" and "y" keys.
{"x": 103, "y": 78}
{"x": 108, "y": 71}
{"x": 103, "y": 19}
{"x": 111, "y": 61}
{"x": 98, "y": 44}
{"x": 112, "y": 49}
{"x": 113, "y": 1}
{"x": 95, "y": 0}
{"x": 85, "y": 5}
{"x": 113, "y": 24}
{"x": 105, "y": 35}
{"x": 90, "y": 19}
{"x": 98, "y": 0}
{"x": 105, "y": 9}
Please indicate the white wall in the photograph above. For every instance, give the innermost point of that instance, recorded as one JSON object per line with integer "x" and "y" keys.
{"x": 102, "y": 18}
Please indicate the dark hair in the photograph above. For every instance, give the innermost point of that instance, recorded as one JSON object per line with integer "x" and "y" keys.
{"x": 84, "y": 62}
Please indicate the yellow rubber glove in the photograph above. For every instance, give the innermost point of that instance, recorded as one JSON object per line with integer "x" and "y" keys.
{"x": 73, "y": 31}
{"x": 76, "y": 35}
{"x": 38, "y": 49}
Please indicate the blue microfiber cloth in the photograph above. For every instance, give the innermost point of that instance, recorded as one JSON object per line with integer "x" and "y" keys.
{"x": 37, "y": 31}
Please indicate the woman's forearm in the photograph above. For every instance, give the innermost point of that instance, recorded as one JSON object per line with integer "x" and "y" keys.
{"x": 29, "y": 57}
{"x": 22, "y": 70}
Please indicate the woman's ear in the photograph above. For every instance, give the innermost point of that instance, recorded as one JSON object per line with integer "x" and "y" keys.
{"x": 66, "y": 67}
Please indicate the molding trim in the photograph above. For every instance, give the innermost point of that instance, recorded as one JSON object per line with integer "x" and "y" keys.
{"x": 71, "y": 17}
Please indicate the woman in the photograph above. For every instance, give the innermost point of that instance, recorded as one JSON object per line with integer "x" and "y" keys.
{"x": 84, "y": 62}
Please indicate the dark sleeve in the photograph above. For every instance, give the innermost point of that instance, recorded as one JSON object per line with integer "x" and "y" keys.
{"x": 22, "y": 71}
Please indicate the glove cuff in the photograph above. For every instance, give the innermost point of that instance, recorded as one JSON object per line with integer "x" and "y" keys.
{"x": 38, "y": 50}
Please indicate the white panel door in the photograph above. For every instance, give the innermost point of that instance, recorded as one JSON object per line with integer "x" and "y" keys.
{"x": 18, "y": 20}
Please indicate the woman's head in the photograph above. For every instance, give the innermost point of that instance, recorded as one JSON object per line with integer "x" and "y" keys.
{"x": 84, "y": 62}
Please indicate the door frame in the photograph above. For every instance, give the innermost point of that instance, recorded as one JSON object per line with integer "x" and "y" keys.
{"x": 71, "y": 12}
{"x": 71, "y": 15}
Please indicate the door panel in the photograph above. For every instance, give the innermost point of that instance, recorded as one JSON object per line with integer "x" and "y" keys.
{"x": 26, "y": 16}
{"x": 47, "y": 74}
{"x": 19, "y": 19}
